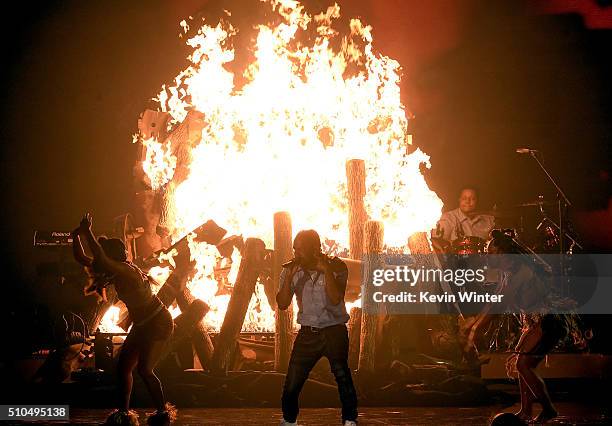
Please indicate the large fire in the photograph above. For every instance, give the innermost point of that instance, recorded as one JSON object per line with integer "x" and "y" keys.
{"x": 280, "y": 141}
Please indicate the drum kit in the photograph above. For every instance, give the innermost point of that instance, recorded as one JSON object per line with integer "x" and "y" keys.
{"x": 552, "y": 235}
{"x": 545, "y": 238}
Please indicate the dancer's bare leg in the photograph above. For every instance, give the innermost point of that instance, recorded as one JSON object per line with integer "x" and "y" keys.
{"x": 526, "y": 365}
{"x": 128, "y": 358}
{"x": 525, "y": 413}
{"x": 149, "y": 358}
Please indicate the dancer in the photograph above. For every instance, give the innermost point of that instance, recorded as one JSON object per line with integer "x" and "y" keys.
{"x": 150, "y": 332}
{"x": 541, "y": 331}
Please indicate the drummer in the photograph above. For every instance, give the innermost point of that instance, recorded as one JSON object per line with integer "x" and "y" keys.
{"x": 465, "y": 221}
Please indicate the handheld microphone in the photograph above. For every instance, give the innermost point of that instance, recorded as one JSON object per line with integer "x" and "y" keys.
{"x": 526, "y": 151}
{"x": 290, "y": 263}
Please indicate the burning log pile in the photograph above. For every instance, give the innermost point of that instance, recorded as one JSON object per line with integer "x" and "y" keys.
{"x": 264, "y": 159}
{"x": 313, "y": 138}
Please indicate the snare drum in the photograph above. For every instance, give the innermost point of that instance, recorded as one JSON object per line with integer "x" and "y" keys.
{"x": 468, "y": 245}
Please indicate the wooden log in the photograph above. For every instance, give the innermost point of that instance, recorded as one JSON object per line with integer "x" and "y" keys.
{"x": 354, "y": 330}
{"x": 209, "y": 232}
{"x": 355, "y": 179}
{"x": 151, "y": 124}
{"x": 194, "y": 313}
{"x": 370, "y": 318}
{"x": 181, "y": 142}
{"x": 283, "y": 251}
{"x": 244, "y": 287}
{"x": 146, "y": 214}
{"x": 421, "y": 251}
{"x": 266, "y": 278}
{"x": 186, "y": 323}
{"x": 418, "y": 244}
{"x": 418, "y": 324}
{"x": 173, "y": 286}
{"x": 167, "y": 213}
{"x": 226, "y": 245}
{"x": 202, "y": 343}
{"x": 183, "y": 138}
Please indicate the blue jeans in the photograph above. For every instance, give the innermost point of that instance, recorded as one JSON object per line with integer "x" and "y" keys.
{"x": 308, "y": 348}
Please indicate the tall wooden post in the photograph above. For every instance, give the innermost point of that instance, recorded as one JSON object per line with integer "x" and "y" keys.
{"x": 355, "y": 182}
{"x": 151, "y": 124}
{"x": 283, "y": 251}
{"x": 418, "y": 244}
{"x": 420, "y": 322}
{"x": 354, "y": 331}
{"x": 421, "y": 252}
{"x": 248, "y": 273}
{"x": 373, "y": 245}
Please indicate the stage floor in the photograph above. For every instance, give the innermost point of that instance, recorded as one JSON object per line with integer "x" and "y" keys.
{"x": 570, "y": 413}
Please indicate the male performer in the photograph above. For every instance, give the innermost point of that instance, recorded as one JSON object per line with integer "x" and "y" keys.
{"x": 464, "y": 221}
{"x": 152, "y": 327}
{"x": 319, "y": 283}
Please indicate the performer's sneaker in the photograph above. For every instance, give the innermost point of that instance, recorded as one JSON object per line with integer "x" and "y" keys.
{"x": 162, "y": 418}
{"x": 546, "y": 415}
{"x": 286, "y": 423}
{"x": 350, "y": 423}
{"x": 122, "y": 418}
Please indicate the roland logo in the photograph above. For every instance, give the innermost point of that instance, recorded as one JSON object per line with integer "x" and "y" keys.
{"x": 60, "y": 234}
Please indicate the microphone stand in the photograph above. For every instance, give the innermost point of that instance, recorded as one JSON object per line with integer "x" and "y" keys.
{"x": 562, "y": 204}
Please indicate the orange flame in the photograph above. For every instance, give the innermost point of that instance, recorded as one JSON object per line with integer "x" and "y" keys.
{"x": 281, "y": 141}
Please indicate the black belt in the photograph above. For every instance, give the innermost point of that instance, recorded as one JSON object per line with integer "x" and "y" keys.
{"x": 316, "y": 330}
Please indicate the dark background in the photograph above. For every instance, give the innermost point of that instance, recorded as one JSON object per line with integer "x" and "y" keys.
{"x": 480, "y": 77}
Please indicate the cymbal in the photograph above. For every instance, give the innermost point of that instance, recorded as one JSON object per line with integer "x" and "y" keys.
{"x": 535, "y": 203}
{"x": 495, "y": 213}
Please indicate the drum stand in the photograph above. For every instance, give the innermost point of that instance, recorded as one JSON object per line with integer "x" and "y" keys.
{"x": 548, "y": 220}
{"x": 563, "y": 203}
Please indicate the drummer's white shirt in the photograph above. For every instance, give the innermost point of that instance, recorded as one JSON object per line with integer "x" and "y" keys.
{"x": 455, "y": 221}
